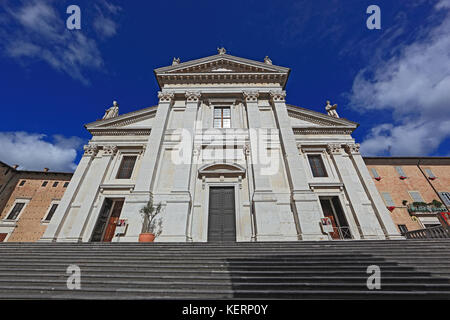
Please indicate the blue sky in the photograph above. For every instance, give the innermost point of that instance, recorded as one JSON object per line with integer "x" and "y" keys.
{"x": 395, "y": 81}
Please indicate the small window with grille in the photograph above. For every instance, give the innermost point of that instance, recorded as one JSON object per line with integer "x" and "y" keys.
{"x": 222, "y": 117}
{"x": 126, "y": 167}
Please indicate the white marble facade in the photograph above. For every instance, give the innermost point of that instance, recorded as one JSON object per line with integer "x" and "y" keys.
{"x": 263, "y": 155}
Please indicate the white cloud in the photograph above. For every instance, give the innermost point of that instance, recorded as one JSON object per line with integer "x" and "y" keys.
{"x": 32, "y": 151}
{"x": 415, "y": 86}
{"x": 36, "y": 31}
{"x": 104, "y": 25}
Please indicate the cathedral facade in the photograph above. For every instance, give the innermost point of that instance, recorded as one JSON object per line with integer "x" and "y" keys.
{"x": 228, "y": 160}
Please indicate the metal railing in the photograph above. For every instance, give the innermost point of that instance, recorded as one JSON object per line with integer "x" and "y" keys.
{"x": 429, "y": 233}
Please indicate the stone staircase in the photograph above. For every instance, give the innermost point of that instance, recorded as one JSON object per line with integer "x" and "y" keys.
{"x": 411, "y": 269}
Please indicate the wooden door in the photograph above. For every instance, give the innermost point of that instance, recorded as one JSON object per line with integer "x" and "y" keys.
{"x": 112, "y": 221}
{"x": 3, "y": 236}
{"x": 328, "y": 212}
{"x": 222, "y": 219}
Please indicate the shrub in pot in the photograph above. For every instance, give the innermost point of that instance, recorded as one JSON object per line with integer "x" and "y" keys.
{"x": 151, "y": 227}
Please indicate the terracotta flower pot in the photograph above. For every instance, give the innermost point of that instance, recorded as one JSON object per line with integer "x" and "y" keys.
{"x": 146, "y": 237}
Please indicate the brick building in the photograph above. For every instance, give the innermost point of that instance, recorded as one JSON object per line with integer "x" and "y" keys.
{"x": 409, "y": 185}
{"x": 28, "y": 200}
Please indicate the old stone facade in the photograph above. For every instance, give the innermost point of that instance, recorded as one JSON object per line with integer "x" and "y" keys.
{"x": 402, "y": 181}
{"x": 228, "y": 159}
{"x": 28, "y": 199}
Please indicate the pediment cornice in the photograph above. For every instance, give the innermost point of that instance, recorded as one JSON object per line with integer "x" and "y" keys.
{"x": 319, "y": 119}
{"x": 222, "y": 68}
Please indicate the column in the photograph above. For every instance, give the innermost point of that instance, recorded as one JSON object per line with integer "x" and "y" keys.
{"x": 383, "y": 215}
{"x": 175, "y": 225}
{"x": 264, "y": 202}
{"x": 96, "y": 174}
{"x": 59, "y": 217}
{"x": 147, "y": 172}
{"x": 362, "y": 207}
{"x": 306, "y": 201}
{"x": 149, "y": 160}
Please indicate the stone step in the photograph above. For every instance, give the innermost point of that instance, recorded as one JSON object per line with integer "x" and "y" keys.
{"x": 217, "y": 278}
{"x": 36, "y": 292}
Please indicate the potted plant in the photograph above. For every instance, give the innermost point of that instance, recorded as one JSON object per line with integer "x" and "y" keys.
{"x": 391, "y": 208}
{"x": 151, "y": 227}
{"x": 405, "y": 202}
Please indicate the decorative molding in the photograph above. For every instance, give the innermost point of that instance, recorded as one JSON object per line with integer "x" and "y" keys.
{"x": 192, "y": 96}
{"x": 278, "y": 96}
{"x": 90, "y": 150}
{"x": 133, "y": 119}
{"x": 120, "y": 132}
{"x": 109, "y": 150}
{"x": 352, "y": 148}
{"x": 334, "y": 148}
{"x": 251, "y": 96}
{"x": 247, "y": 149}
{"x": 322, "y": 130}
{"x": 165, "y": 96}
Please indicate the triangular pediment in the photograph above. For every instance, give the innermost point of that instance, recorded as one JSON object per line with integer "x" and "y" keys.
{"x": 222, "y": 68}
{"x": 305, "y": 118}
{"x": 140, "y": 120}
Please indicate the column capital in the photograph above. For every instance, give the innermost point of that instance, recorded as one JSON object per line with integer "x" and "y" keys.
{"x": 165, "y": 96}
{"x": 250, "y": 96}
{"x": 278, "y": 96}
{"x": 192, "y": 96}
{"x": 109, "y": 150}
{"x": 334, "y": 148}
{"x": 90, "y": 150}
{"x": 352, "y": 148}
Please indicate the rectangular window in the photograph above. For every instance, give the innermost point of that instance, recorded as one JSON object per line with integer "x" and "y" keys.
{"x": 126, "y": 167}
{"x": 429, "y": 173}
{"x": 44, "y": 183}
{"x": 55, "y": 184}
{"x": 400, "y": 171}
{"x": 445, "y": 197}
{"x": 16, "y": 211}
{"x": 375, "y": 173}
{"x": 415, "y": 196}
{"x": 222, "y": 117}
{"x": 65, "y": 184}
{"x": 51, "y": 212}
{"x": 403, "y": 229}
{"x": 317, "y": 166}
{"x": 388, "y": 199}
{"x": 22, "y": 183}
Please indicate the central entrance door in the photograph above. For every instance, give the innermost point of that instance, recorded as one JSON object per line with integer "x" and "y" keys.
{"x": 222, "y": 219}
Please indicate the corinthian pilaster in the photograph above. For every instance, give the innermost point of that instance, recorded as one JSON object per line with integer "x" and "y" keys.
{"x": 165, "y": 96}
{"x": 278, "y": 96}
{"x": 90, "y": 150}
{"x": 109, "y": 150}
{"x": 192, "y": 96}
{"x": 251, "y": 96}
{"x": 352, "y": 148}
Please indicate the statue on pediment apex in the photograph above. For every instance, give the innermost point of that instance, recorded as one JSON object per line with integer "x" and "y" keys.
{"x": 221, "y": 50}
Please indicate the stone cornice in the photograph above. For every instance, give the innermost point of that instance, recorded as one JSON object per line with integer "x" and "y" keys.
{"x": 120, "y": 132}
{"x": 352, "y": 148}
{"x": 322, "y": 130}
